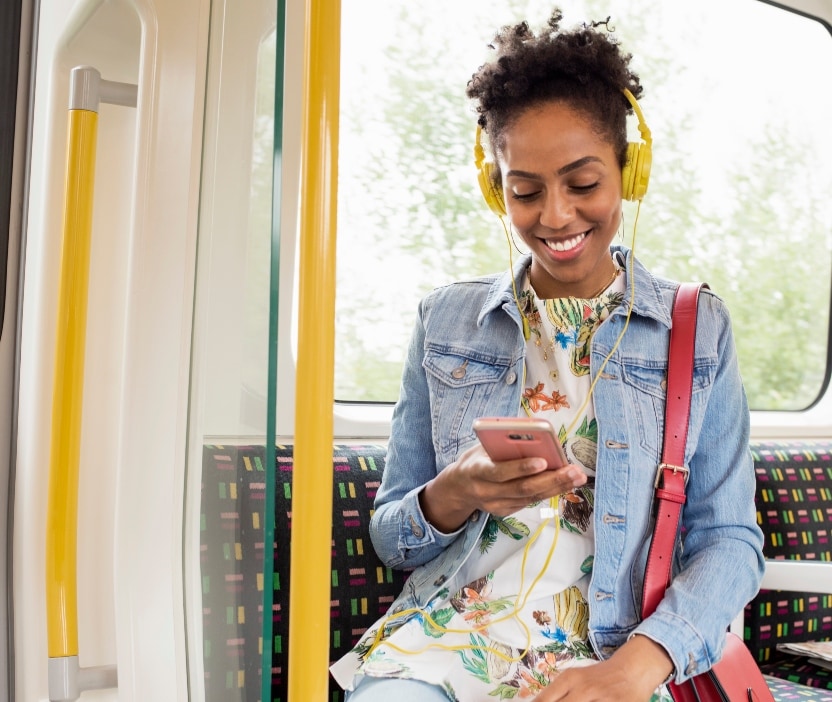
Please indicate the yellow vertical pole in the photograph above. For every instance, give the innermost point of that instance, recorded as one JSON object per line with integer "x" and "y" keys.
{"x": 66, "y": 678}
{"x": 68, "y": 386}
{"x": 312, "y": 478}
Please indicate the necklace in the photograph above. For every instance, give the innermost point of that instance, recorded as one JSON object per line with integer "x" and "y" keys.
{"x": 615, "y": 273}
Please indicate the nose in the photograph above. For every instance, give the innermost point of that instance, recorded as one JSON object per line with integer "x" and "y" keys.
{"x": 558, "y": 209}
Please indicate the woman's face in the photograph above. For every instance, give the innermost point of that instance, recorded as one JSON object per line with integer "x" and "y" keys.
{"x": 562, "y": 185}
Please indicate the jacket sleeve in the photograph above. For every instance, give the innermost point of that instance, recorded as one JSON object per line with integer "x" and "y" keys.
{"x": 721, "y": 560}
{"x": 401, "y": 535}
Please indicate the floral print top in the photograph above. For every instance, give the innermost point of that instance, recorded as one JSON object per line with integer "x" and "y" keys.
{"x": 515, "y": 615}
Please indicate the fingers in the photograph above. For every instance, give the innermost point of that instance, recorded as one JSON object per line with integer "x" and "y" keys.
{"x": 506, "y": 487}
{"x": 479, "y": 463}
{"x": 475, "y": 482}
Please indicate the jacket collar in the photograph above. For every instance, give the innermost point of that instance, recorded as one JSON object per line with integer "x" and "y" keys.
{"x": 648, "y": 302}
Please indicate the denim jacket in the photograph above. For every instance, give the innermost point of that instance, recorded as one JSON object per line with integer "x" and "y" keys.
{"x": 473, "y": 327}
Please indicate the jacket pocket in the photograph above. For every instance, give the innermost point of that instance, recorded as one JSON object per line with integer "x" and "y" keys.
{"x": 647, "y": 388}
{"x": 463, "y": 388}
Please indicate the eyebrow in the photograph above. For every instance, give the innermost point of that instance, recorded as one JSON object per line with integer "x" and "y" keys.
{"x": 561, "y": 171}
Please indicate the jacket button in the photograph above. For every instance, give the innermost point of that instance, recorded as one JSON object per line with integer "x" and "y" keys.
{"x": 475, "y": 516}
{"x": 511, "y": 377}
{"x": 459, "y": 372}
{"x": 418, "y": 532}
{"x": 441, "y": 579}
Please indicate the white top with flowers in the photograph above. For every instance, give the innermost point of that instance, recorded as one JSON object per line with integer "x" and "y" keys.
{"x": 515, "y": 614}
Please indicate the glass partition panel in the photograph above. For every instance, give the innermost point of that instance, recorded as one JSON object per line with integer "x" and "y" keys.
{"x": 224, "y": 538}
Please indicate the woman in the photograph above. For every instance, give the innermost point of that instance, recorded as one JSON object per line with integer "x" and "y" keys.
{"x": 527, "y": 581}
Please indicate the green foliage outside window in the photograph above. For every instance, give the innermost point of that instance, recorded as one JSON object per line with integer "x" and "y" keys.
{"x": 755, "y": 227}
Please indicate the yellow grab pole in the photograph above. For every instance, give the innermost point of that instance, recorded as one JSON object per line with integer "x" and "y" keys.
{"x": 66, "y": 678}
{"x": 68, "y": 386}
{"x": 312, "y": 478}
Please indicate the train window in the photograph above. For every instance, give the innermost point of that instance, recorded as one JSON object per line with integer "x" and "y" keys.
{"x": 738, "y": 195}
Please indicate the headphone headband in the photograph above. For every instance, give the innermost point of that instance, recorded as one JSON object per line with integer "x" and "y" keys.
{"x": 635, "y": 175}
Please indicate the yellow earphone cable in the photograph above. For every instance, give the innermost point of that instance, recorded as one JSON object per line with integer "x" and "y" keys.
{"x": 512, "y": 614}
{"x": 603, "y": 365}
{"x": 378, "y": 640}
{"x": 524, "y": 319}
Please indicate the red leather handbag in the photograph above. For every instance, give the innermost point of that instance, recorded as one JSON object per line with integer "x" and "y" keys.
{"x": 736, "y": 677}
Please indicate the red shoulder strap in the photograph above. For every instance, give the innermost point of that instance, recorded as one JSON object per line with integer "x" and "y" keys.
{"x": 671, "y": 474}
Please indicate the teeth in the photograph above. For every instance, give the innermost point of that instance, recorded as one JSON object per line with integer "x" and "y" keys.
{"x": 566, "y": 245}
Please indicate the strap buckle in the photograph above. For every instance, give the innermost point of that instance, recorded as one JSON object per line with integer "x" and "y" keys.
{"x": 676, "y": 469}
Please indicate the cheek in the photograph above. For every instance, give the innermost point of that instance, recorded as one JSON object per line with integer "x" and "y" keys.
{"x": 607, "y": 210}
{"x": 520, "y": 217}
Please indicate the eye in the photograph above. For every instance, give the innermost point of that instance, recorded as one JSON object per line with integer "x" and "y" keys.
{"x": 525, "y": 197}
{"x": 584, "y": 188}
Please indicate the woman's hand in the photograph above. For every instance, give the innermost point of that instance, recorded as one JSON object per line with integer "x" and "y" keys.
{"x": 632, "y": 674}
{"x": 475, "y": 482}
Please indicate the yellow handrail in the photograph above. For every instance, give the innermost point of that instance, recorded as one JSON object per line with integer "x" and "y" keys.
{"x": 68, "y": 386}
{"x": 312, "y": 479}
{"x": 66, "y": 678}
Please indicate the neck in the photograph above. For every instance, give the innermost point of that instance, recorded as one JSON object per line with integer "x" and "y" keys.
{"x": 607, "y": 284}
{"x": 585, "y": 289}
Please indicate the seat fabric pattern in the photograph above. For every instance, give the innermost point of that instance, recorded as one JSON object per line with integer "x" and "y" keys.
{"x": 362, "y": 588}
{"x": 794, "y": 510}
{"x": 231, "y": 561}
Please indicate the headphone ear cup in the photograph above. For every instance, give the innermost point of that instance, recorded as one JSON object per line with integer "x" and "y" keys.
{"x": 641, "y": 178}
{"x": 635, "y": 175}
{"x": 628, "y": 171}
{"x": 491, "y": 191}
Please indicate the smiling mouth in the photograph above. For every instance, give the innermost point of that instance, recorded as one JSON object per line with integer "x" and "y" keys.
{"x": 566, "y": 244}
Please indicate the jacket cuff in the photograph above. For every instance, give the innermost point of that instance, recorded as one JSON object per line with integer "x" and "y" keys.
{"x": 415, "y": 530}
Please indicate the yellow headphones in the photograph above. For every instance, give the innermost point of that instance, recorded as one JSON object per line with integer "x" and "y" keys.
{"x": 634, "y": 176}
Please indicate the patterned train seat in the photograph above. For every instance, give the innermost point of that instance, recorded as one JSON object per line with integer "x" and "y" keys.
{"x": 794, "y": 507}
{"x": 232, "y": 564}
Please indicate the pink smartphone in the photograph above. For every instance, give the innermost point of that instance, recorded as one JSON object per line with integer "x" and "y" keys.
{"x": 509, "y": 438}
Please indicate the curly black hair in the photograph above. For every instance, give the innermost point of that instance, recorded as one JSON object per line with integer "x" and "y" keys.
{"x": 583, "y": 67}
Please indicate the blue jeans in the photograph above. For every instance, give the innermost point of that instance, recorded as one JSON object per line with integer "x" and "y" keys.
{"x": 398, "y": 689}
